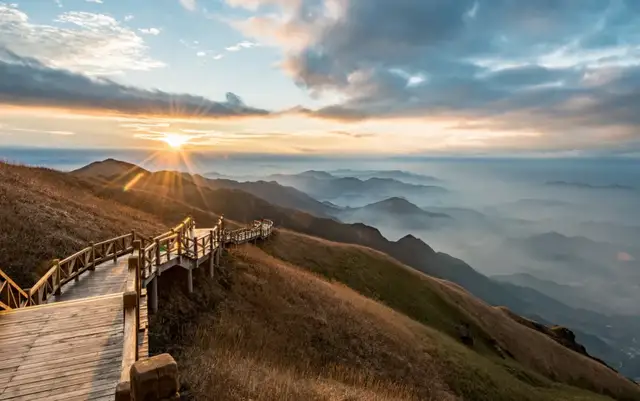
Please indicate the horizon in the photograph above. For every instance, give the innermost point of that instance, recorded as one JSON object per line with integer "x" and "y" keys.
{"x": 317, "y": 78}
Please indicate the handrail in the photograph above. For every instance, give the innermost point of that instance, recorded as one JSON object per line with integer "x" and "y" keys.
{"x": 131, "y": 317}
{"x": 11, "y": 295}
{"x": 178, "y": 242}
{"x": 71, "y": 267}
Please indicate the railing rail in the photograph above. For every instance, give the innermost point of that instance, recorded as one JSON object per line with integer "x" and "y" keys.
{"x": 11, "y": 295}
{"x": 71, "y": 267}
{"x": 155, "y": 251}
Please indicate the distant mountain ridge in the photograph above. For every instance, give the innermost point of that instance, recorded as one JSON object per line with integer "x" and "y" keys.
{"x": 242, "y": 206}
{"x": 584, "y": 185}
{"x": 394, "y": 212}
{"x": 324, "y": 186}
{"x": 399, "y": 175}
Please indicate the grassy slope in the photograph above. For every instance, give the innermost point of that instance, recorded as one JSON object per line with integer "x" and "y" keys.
{"x": 443, "y": 305}
{"x": 268, "y": 330}
{"x": 45, "y": 214}
{"x": 63, "y": 213}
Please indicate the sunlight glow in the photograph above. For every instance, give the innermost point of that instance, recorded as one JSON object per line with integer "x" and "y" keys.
{"x": 176, "y": 141}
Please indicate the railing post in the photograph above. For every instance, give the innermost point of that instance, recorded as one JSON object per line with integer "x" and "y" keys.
{"x": 155, "y": 379}
{"x": 93, "y": 256}
{"x": 133, "y": 299}
{"x": 56, "y": 263}
{"x": 179, "y": 243}
{"x": 195, "y": 249}
{"x": 137, "y": 249}
{"x": 211, "y": 254}
{"x": 157, "y": 253}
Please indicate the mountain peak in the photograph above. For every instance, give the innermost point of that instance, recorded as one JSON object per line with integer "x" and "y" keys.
{"x": 316, "y": 174}
{"x": 396, "y": 205}
{"x": 108, "y": 168}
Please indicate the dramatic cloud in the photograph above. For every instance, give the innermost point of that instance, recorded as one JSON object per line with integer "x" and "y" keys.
{"x": 29, "y": 82}
{"x": 80, "y": 41}
{"x": 564, "y": 66}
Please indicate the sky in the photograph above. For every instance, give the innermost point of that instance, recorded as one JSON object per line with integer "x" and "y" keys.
{"x": 545, "y": 77}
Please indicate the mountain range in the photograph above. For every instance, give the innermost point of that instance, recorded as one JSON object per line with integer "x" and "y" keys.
{"x": 111, "y": 193}
{"x": 616, "y": 332}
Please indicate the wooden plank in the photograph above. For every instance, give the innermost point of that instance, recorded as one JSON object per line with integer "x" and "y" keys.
{"x": 129, "y": 343}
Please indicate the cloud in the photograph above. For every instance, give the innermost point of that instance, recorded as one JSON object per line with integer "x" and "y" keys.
{"x": 128, "y": 17}
{"x": 568, "y": 68}
{"x": 80, "y": 41}
{"x": 94, "y": 1}
{"x": 150, "y": 31}
{"x": 29, "y": 82}
{"x": 189, "y": 4}
{"x": 218, "y": 56}
{"x": 58, "y": 3}
{"x": 201, "y": 54}
{"x": 242, "y": 45}
{"x": 37, "y": 131}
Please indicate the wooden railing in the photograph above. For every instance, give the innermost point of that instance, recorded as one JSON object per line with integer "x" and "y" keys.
{"x": 131, "y": 311}
{"x": 258, "y": 229}
{"x": 144, "y": 262}
{"x": 73, "y": 266}
{"x": 177, "y": 242}
{"x": 11, "y": 295}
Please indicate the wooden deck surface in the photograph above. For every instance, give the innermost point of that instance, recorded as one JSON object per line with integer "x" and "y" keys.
{"x": 62, "y": 351}
{"x": 109, "y": 278}
{"x": 70, "y": 348}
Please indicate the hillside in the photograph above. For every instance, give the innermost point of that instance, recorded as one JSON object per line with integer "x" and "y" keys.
{"x": 58, "y": 205}
{"x": 170, "y": 196}
{"x": 305, "y": 318}
{"x": 47, "y": 214}
{"x": 176, "y": 194}
{"x": 270, "y": 191}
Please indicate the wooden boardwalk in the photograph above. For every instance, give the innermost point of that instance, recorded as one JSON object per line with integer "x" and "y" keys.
{"x": 69, "y": 337}
{"x": 63, "y": 351}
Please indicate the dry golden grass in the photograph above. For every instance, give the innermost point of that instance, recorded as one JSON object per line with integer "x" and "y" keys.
{"x": 423, "y": 298}
{"x": 285, "y": 334}
{"x": 45, "y": 214}
{"x": 267, "y": 330}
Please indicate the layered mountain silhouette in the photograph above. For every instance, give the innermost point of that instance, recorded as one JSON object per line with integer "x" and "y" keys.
{"x": 324, "y": 186}
{"x": 303, "y": 315}
{"x": 399, "y": 175}
{"x": 584, "y": 185}
{"x": 609, "y": 334}
{"x": 394, "y": 212}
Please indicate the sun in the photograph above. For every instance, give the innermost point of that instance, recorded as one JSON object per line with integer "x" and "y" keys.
{"x": 175, "y": 141}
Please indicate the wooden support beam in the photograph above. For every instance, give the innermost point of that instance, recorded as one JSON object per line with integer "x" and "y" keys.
{"x": 211, "y": 263}
{"x": 190, "y": 277}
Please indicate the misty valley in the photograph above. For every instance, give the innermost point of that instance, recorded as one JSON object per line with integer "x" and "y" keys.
{"x": 567, "y": 243}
